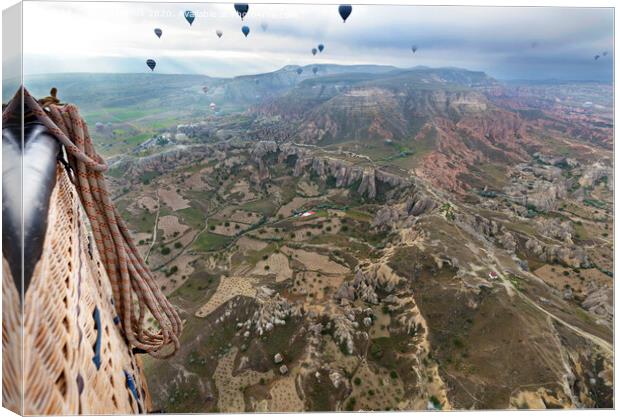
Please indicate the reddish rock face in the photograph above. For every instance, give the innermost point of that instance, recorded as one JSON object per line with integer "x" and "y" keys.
{"x": 475, "y": 124}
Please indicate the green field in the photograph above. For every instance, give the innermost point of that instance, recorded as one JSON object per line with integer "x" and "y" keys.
{"x": 192, "y": 216}
{"x": 264, "y": 207}
{"x": 208, "y": 242}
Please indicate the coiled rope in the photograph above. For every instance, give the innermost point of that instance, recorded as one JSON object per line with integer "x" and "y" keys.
{"x": 133, "y": 286}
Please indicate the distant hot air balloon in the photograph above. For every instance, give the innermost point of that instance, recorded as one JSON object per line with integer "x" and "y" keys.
{"x": 414, "y": 49}
{"x": 315, "y": 70}
{"x": 299, "y": 71}
{"x": 205, "y": 89}
{"x": 313, "y": 51}
{"x": 151, "y": 64}
{"x": 345, "y": 11}
{"x": 189, "y": 16}
{"x": 242, "y": 9}
{"x": 596, "y": 57}
{"x": 245, "y": 30}
{"x": 264, "y": 26}
{"x": 534, "y": 44}
{"x": 219, "y": 33}
{"x": 605, "y": 53}
{"x": 321, "y": 47}
{"x": 158, "y": 32}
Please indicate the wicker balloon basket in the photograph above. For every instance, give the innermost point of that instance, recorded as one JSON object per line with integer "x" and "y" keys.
{"x": 69, "y": 355}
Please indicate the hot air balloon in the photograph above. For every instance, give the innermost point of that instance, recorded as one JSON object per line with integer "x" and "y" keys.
{"x": 242, "y": 9}
{"x": 299, "y": 71}
{"x": 205, "y": 89}
{"x": 158, "y": 32}
{"x": 596, "y": 57}
{"x": 245, "y": 30}
{"x": 315, "y": 70}
{"x": 345, "y": 11}
{"x": 313, "y": 51}
{"x": 219, "y": 33}
{"x": 414, "y": 49}
{"x": 189, "y": 16}
{"x": 264, "y": 26}
{"x": 321, "y": 47}
{"x": 151, "y": 64}
{"x": 605, "y": 53}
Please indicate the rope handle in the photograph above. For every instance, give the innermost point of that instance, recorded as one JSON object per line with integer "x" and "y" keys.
{"x": 95, "y": 163}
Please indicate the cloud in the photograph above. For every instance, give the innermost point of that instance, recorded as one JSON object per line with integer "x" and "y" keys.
{"x": 506, "y": 42}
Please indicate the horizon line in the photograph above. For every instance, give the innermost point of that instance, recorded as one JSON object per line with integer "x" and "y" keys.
{"x": 555, "y": 79}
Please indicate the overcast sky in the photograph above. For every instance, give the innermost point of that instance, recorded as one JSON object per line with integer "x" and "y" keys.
{"x": 505, "y": 42}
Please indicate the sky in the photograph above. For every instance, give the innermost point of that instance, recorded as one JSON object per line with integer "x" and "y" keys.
{"x": 505, "y": 42}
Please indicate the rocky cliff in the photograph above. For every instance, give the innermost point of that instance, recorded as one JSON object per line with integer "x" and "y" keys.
{"x": 165, "y": 160}
{"x": 366, "y": 180}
